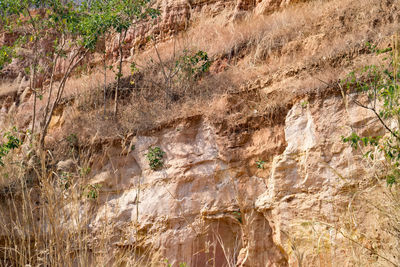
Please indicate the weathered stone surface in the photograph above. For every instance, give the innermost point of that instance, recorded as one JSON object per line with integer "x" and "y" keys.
{"x": 176, "y": 16}
{"x": 306, "y": 180}
{"x": 201, "y": 198}
{"x": 210, "y": 205}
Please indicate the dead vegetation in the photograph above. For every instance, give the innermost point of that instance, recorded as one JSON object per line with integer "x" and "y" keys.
{"x": 264, "y": 62}
{"x": 47, "y": 219}
{"x": 366, "y": 233}
{"x": 283, "y": 55}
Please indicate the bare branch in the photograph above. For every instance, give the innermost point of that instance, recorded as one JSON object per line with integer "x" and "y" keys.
{"x": 378, "y": 116}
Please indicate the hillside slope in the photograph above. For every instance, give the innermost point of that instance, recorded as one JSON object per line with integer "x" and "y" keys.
{"x": 255, "y": 172}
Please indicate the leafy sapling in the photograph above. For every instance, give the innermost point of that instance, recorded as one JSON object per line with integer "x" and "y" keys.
{"x": 304, "y": 104}
{"x": 92, "y": 191}
{"x": 380, "y": 91}
{"x": 260, "y": 164}
{"x": 155, "y": 157}
{"x": 12, "y": 142}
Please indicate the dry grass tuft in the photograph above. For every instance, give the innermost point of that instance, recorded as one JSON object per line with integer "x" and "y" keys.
{"x": 287, "y": 52}
{"x": 47, "y": 221}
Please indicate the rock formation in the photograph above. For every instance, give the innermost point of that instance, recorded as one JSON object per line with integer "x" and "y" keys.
{"x": 240, "y": 184}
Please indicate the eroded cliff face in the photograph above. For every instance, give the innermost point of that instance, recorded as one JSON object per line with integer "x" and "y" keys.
{"x": 209, "y": 204}
{"x": 178, "y": 16}
{"x": 239, "y": 186}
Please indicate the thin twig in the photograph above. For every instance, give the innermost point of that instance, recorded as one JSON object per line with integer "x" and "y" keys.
{"x": 378, "y": 116}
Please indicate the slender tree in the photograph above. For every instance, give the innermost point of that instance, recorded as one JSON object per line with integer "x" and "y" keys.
{"x": 124, "y": 14}
{"x": 74, "y": 30}
{"x": 18, "y": 16}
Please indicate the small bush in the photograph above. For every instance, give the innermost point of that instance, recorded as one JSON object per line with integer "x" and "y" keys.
{"x": 65, "y": 180}
{"x": 72, "y": 140}
{"x": 304, "y": 104}
{"x": 376, "y": 88}
{"x": 6, "y": 55}
{"x": 12, "y": 143}
{"x": 379, "y": 84}
{"x": 192, "y": 65}
{"x": 92, "y": 191}
{"x": 155, "y": 157}
{"x": 260, "y": 164}
{"x": 84, "y": 172}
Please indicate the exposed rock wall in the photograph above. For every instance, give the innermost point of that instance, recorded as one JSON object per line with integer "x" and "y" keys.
{"x": 210, "y": 205}
{"x": 210, "y": 194}
{"x": 176, "y": 16}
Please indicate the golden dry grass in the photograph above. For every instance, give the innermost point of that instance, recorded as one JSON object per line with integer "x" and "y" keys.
{"x": 288, "y": 52}
{"x": 278, "y": 55}
{"x": 8, "y": 88}
{"x": 46, "y": 221}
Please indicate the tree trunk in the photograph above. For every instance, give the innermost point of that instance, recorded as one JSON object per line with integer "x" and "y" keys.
{"x": 122, "y": 36}
{"x": 105, "y": 83}
{"x": 32, "y": 87}
{"x": 50, "y": 111}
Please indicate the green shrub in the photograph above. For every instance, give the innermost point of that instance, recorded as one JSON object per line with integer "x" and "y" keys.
{"x": 260, "y": 164}
{"x": 92, "y": 191}
{"x": 193, "y": 64}
{"x": 12, "y": 143}
{"x": 72, "y": 140}
{"x": 155, "y": 157}
{"x": 376, "y": 88}
{"x": 379, "y": 86}
{"x": 6, "y": 55}
{"x": 65, "y": 180}
{"x": 84, "y": 172}
{"x": 304, "y": 104}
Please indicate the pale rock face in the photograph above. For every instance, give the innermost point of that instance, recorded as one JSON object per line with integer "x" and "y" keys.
{"x": 187, "y": 204}
{"x": 202, "y": 198}
{"x": 299, "y": 130}
{"x": 305, "y": 180}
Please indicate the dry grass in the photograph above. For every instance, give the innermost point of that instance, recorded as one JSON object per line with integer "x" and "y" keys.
{"x": 284, "y": 52}
{"x": 366, "y": 234}
{"x": 46, "y": 221}
{"x": 265, "y": 37}
{"x": 145, "y": 101}
{"x": 8, "y": 88}
{"x": 292, "y": 46}
{"x": 287, "y": 52}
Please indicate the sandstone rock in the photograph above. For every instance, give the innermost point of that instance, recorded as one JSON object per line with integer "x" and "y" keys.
{"x": 209, "y": 204}
{"x": 268, "y": 6}
{"x": 198, "y": 198}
